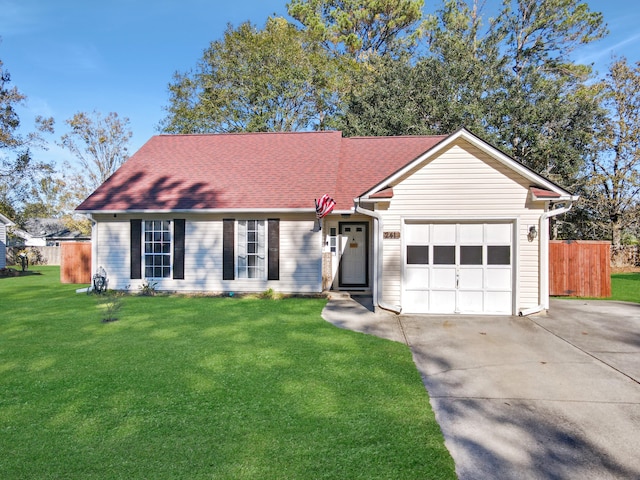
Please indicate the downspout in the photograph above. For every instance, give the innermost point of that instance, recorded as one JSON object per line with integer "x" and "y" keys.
{"x": 377, "y": 258}
{"x": 543, "y": 293}
{"x": 94, "y": 243}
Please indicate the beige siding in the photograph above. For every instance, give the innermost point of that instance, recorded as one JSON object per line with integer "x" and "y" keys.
{"x": 300, "y": 255}
{"x": 464, "y": 183}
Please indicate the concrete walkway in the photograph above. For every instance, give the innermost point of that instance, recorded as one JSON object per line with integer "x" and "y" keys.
{"x": 542, "y": 397}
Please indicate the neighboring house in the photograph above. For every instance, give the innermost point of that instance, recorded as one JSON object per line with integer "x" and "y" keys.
{"x": 427, "y": 224}
{"x": 4, "y": 223}
{"x": 45, "y": 232}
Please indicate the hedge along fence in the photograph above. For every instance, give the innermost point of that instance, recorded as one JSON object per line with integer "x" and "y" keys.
{"x": 625, "y": 256}
{"x": 36, "y": 255}
{"x": 580, "y": 268}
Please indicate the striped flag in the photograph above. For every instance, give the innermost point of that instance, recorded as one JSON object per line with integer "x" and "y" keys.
{"x": 324, "y": 206}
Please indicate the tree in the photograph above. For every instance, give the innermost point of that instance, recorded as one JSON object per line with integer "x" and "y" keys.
{"x": 541, "y": 34}
{"x": 516, "y": 89}
{"x": 18, "y": 169}
{"x": 434, "y": 94}
{"x": 361, "y": 28}
{"x": 100, "y": 144}
{"x": 275, "y": 79}
{"x": 613, "y": 175}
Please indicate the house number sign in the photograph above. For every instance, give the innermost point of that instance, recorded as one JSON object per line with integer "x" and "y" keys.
{"x": 391, "y": 235}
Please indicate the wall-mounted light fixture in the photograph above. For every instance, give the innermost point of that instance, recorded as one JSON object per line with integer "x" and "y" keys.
{"x": 533, "y": 233}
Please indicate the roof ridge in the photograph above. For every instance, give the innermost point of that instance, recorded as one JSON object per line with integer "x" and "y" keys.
{"x": 370, "y": 137}
{"x": 220, "y": 134}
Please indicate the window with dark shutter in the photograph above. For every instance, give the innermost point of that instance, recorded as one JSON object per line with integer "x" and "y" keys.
{"x": 228, "y": 240}
{"x": 178, "y": 249}
{"x": 136, "y": 249}
{"x": 273, "y": 259}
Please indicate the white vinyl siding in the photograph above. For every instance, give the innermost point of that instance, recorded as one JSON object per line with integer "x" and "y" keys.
{"x": 3, "y": 244}
{"x": 463, "y": 183}
{"x": 300, "y": 254}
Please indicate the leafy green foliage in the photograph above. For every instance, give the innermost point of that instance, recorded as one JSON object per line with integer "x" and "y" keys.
{"x": 613, "y": 174}
{"x": 514, "y": 89}
{"x": 360, "y": 28}
{"x": 18, "y": 169}
{"x": 275, "y": 79}
{"x": 201, "y": 387}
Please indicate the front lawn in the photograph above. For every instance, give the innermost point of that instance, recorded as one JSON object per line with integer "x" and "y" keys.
{"x": 198, "y": 387}
{"x": 626, "y": 287}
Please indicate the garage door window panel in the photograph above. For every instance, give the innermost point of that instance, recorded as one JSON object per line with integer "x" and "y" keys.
{"x": 417, "y": 254}
{"x": 498, "y": 255}
{"x": 444, "y": 255}
{"x": 471, "y": 255}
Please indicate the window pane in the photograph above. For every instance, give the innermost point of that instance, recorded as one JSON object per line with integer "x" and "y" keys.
{"x": 417, "y": 254}
{"x": 499, "y": 255}
{"x": 471, "y": 255}
{"x": 444, "y": 255}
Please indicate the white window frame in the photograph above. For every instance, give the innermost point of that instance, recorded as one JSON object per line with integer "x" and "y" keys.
{"x": 165, "y": 243}
{"x": 251, "y": 249}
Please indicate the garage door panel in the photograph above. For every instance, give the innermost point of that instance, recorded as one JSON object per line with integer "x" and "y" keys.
{"x": 498, "y": 233}
{"x": 498, "y": 278}
{"x": 444, "y": 234}
{"x": 498, "y": 302}
{"x": 458, "y": 267}
{"x": 443, "y": 278}
{"x": 470, "y": 234}
{"x": 416, "y": 301}
{"x": 442, "y": 302}
{"x": 417, "y": 233}
{"x": 471, "y": 278}
{"x": 417, "y": 278}
{"x": 470, "y": 301}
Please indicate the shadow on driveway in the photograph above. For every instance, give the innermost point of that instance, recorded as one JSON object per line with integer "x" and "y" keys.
{"x": 537, "y": 397}
{"x": 515, "y": 399}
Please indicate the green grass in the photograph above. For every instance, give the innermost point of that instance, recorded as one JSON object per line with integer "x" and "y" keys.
{"x": 625, "y": 287}
{"x": 198, "y": 387}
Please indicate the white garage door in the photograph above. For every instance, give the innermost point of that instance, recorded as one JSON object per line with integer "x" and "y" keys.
{"x": 458, "y": 268}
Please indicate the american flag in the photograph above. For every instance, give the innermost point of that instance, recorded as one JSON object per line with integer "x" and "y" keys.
{"x": 324, "y": 206}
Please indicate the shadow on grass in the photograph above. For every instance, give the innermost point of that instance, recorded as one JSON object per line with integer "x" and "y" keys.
{"x": 12, "y": 273}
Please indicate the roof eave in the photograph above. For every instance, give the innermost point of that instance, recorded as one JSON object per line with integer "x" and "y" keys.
{"x": 196, "y": 210}
{"x": 485, "y": 147}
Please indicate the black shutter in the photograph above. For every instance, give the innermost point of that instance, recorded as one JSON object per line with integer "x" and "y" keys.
{"x": 136, "y": 249}
{"x": 273, "y": 258}
{"x": 178, "y": 249}
{"x": 228, "y": 250}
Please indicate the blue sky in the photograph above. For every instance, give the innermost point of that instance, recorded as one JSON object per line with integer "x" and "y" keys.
{"x": 119, "y": 56}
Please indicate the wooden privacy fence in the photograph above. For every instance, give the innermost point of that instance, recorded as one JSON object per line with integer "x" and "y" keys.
{"x": 75, "y": 265}
{"x": 580, "y": 268}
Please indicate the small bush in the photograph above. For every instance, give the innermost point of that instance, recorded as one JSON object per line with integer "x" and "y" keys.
{"x": 270, "y": 294}
{"x": 110, "y": 303}
{"x": 148, "y": 288}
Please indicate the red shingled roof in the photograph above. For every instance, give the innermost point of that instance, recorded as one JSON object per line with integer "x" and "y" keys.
{"x": 253, "y": 171}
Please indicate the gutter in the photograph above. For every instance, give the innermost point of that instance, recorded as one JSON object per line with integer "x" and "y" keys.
{"x": 377, "y": 256}
{"x": 543, "y": 292}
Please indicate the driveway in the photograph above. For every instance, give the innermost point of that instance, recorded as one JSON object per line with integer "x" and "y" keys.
{"x": 539, "y": 397}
